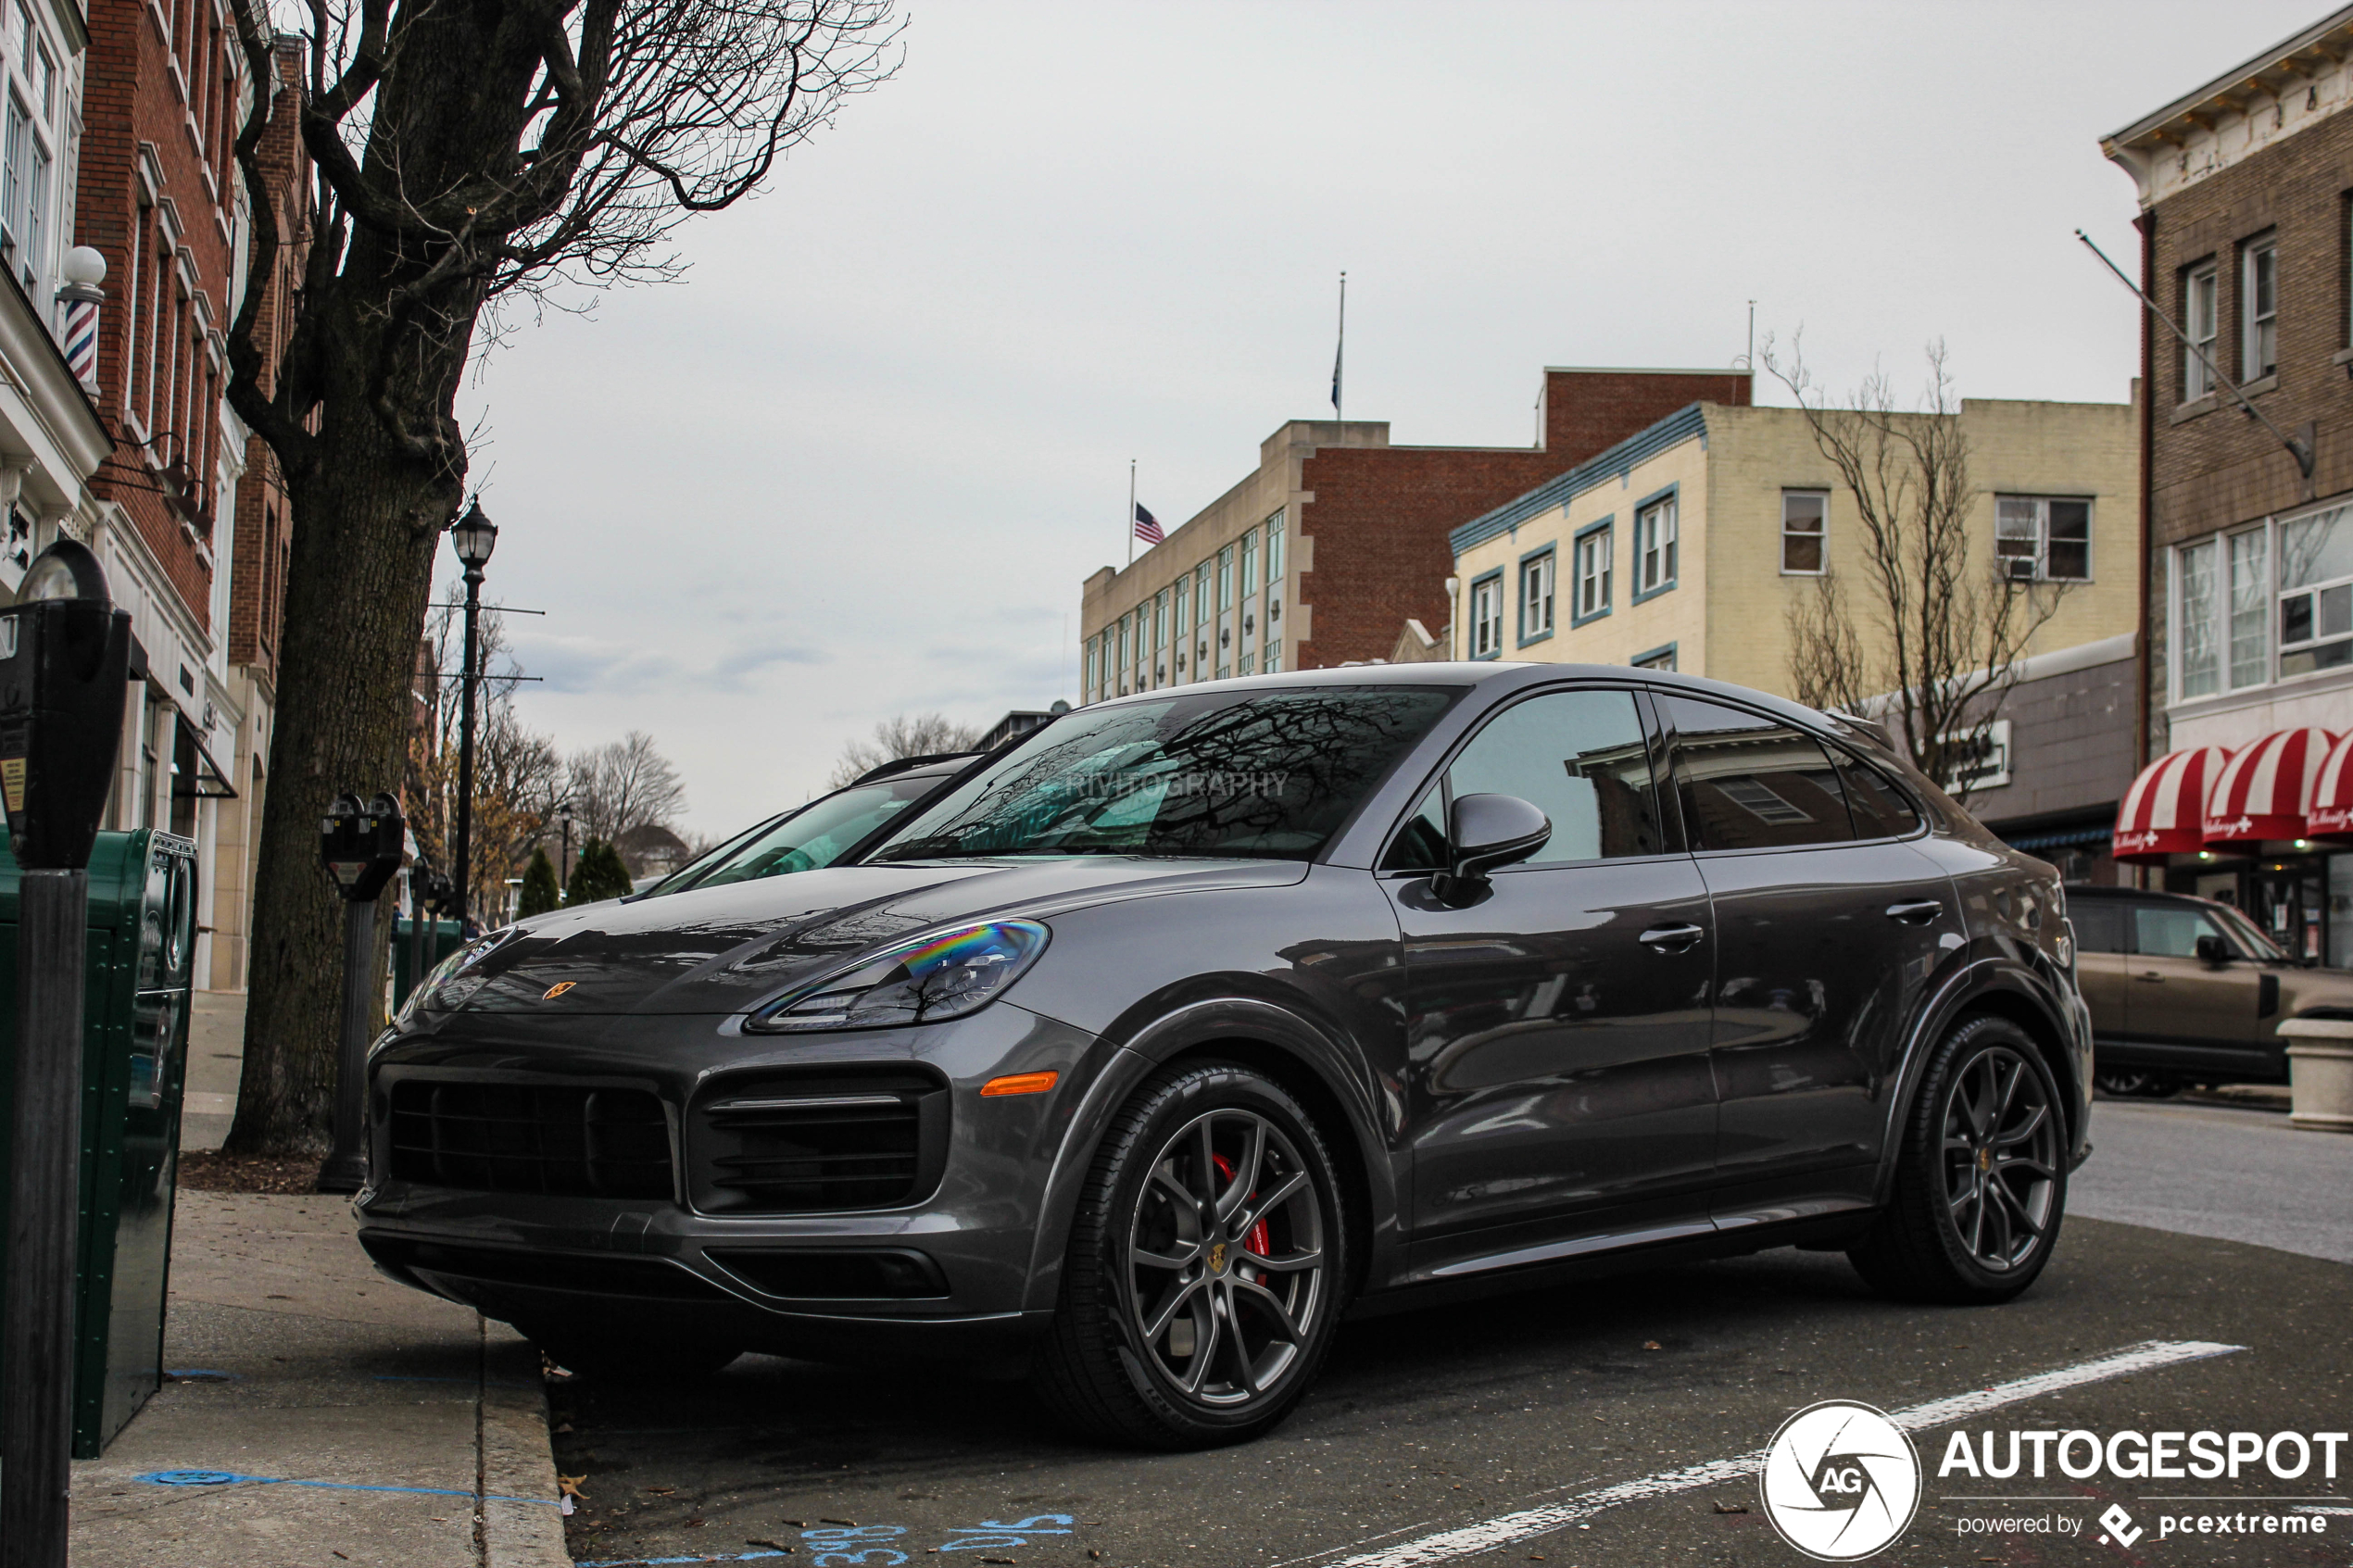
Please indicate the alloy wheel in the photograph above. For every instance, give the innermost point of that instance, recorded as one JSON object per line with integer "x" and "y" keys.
{"x": 2001, "y": 1157}
{"x": 1226, "y": 1258}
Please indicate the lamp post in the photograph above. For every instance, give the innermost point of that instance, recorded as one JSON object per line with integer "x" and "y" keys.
{"x": 64, "y": 654}
{"x": 563, "y": 876}
{"x": 473, "y": 536}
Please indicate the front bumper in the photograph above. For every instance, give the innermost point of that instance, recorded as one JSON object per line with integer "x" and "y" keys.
{"x": 953, "y": 1268}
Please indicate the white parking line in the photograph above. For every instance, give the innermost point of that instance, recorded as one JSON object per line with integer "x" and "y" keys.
{"x": 1527, "y": 1523}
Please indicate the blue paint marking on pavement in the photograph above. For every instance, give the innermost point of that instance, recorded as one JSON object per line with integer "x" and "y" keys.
{"x": 649, "y": 1561}
{"x": 232, "y": 1479}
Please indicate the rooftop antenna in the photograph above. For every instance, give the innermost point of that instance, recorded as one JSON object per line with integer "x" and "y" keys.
{"x": 1748, "y": 362}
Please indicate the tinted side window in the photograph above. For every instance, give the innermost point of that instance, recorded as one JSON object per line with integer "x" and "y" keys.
{"x": 1747, "y": 782}
{"x": 2170, "y": 931}
{"x": 1880, "y": 811}
{"x": 1581, "y": 758}
{"x": 2100, "y": 925}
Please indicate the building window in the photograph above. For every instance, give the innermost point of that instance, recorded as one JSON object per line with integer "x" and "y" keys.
{"x": 1654, "y": 548}
{"x": 1087, "y": 678}
{"x": 1275, "y": 657}
{"x": 1657, "y": 659}
{"x": 2196, "y": 606}
{"x": 2316, "y": 592}
{"x": 2201, "y": 312}
{"x": 1181, "y": 627}
{"x": 1250, "y": 563}
{"x": 1160, "y": 638}
{"x": 1592, "y": 561}
{"x": 1805, "y": 520}
{"x": 2041, "y": 538}
{"x": 1536, "y": 576}
{"x": 2250, "y": 609}
{"x": 1224, "y": 580}
{"x": 1275, "y": 550}
{"x": 2261, "y": 294}
{"x": 1486, "y": 617}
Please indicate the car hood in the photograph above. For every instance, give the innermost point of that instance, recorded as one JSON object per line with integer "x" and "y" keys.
{"x": 722, "y": 950}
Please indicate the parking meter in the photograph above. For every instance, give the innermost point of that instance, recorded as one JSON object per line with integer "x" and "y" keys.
{"x": 362, "y": 847}
{"x": 64, "y": 654}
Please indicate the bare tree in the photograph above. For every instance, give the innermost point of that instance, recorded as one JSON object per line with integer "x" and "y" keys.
{"x": 904, "y": 734}
{"x": 625, "y": 786}
{"x": 1934, "y": 647}
{"x": 464, "y": 155}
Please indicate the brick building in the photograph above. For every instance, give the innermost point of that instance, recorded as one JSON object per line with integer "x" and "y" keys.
{"x": 2245, "y": 189}
{"x": 1317, "y": 556}
{"x": 191, "y": 541}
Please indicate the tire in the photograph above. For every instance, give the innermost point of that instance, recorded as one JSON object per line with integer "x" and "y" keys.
{"x": 1196, "y": 1308}
{"x": 1981, "y": 1183}
{"x": 604, "y": 1354}
{"x": 2136, "y": 1083}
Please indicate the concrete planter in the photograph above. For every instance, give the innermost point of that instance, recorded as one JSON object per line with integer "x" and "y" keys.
{"x": 2320, "y": 1057}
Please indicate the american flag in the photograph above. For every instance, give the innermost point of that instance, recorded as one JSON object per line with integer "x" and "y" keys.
{"x": 1148, "y": 526}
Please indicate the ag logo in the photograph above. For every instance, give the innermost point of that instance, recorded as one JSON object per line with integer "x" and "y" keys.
{"x": 1841, "y": 1481}
{"x": 558, "y": 989}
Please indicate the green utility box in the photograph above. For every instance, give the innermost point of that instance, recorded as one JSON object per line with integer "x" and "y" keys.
{"x": 135, "y": 1059}
{"x": 442, "y": 937}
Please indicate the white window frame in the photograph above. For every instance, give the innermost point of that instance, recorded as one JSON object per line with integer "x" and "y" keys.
{"x": 2201, "y": 317}
{"x": 1592, "y": 561}
{"x": 1657, "y": 555}
{"x": 1486, "y": 617}
{"x": 1821, "y": 536}
{"x": 2180, "y": 618}
{"x": 2259, "y": 355}
{"x": 1537, "y": 588}
{"x": 2036, "y": 515}
{"x": 2281, "y": 651}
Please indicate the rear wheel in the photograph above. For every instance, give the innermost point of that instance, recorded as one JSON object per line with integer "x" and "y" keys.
{"x": 2136, "y": 1083}
{"x": 1201, "y": 1286}
{"x": 1980, "y": 1186}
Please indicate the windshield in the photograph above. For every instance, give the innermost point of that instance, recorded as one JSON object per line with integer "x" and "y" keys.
{"x": 815, "y": 835}
{"x": 2250, "y": 936}
{"x": 1269, "y": 774}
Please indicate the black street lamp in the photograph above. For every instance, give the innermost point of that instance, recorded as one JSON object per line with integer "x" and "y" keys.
{"x": 473, "y": 536}
{"x": 563, "y": 877}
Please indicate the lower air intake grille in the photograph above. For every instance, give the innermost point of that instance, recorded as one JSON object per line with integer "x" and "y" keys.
{"x": 554, "y": 1139}
{"x": 829, "y": 1140}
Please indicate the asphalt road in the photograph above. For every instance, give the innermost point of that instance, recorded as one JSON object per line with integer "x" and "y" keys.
{"x": 1439, "y": 1422}
{"x": 2220, "y": 1171}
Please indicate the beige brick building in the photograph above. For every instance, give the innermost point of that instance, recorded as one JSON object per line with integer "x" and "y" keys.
{"x": 1684, "y": 546}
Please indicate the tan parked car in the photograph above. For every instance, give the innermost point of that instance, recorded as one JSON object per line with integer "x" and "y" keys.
{"x": 2185, "y": 990}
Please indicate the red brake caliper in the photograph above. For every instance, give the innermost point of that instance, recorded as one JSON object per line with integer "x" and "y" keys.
{"x": 1257, "y": 1240}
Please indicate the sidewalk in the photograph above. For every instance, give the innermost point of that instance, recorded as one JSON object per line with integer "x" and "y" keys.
{"x": 321, "y": 1416}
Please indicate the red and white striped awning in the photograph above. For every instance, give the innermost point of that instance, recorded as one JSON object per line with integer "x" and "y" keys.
{"x": 2164, "y": 813}
{"x": 2263, "y": 789}
{"x": 2329, "y": 814}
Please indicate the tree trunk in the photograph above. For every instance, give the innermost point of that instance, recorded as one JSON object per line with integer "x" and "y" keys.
{"x": 368, "y": 519}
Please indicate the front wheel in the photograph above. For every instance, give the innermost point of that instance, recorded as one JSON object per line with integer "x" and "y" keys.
{"x": 1980, "y": 1184}
{"x": 1203, "y": 1282}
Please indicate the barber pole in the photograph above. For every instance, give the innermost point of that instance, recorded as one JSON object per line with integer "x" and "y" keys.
{"x": 82, "y": 342}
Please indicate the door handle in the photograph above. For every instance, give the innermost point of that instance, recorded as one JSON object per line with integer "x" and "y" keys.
{"x": 2151, "y": 977}
{"x": 1672, "y": 938}
{"x": 1917, "y": 913}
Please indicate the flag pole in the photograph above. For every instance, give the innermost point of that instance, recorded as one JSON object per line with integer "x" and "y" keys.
{"x": 1339, "y": 355}
{"x": 1131, "y": 511}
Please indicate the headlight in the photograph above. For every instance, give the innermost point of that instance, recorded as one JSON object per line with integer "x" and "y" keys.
{"x": 444, "y": 989}
{"x": 946, "y": 975}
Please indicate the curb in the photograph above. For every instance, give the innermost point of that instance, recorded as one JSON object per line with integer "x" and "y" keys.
{"x": 518, "y": 1460}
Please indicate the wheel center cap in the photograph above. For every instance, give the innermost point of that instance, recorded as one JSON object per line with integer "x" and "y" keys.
{"x": 1218, "y": 1257}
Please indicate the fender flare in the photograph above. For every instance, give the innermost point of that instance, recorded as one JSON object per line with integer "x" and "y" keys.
{"x": 1981, "y": 977}
{"x": 1166, "y": 1036}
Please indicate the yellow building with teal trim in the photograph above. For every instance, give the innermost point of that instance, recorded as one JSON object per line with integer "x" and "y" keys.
{"x": 1685, "y": 545}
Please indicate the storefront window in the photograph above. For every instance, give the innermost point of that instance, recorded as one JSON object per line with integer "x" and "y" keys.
{"x": 2200, "y": 667}
{"x": 2341, "y": 912}
{"x": 2316, "y": 592}
{"x": 2250, "y": 610}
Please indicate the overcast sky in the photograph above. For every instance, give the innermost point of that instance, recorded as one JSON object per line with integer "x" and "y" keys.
{"x": 860, "y": 460}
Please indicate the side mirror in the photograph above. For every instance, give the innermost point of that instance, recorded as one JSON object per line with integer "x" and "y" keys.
{"x": 2213, "y": 950}
{"x": 1485, "y": 833}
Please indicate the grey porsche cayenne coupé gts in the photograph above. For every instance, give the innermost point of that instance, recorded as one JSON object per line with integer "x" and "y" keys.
{"x": 1203, "y": 1016}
